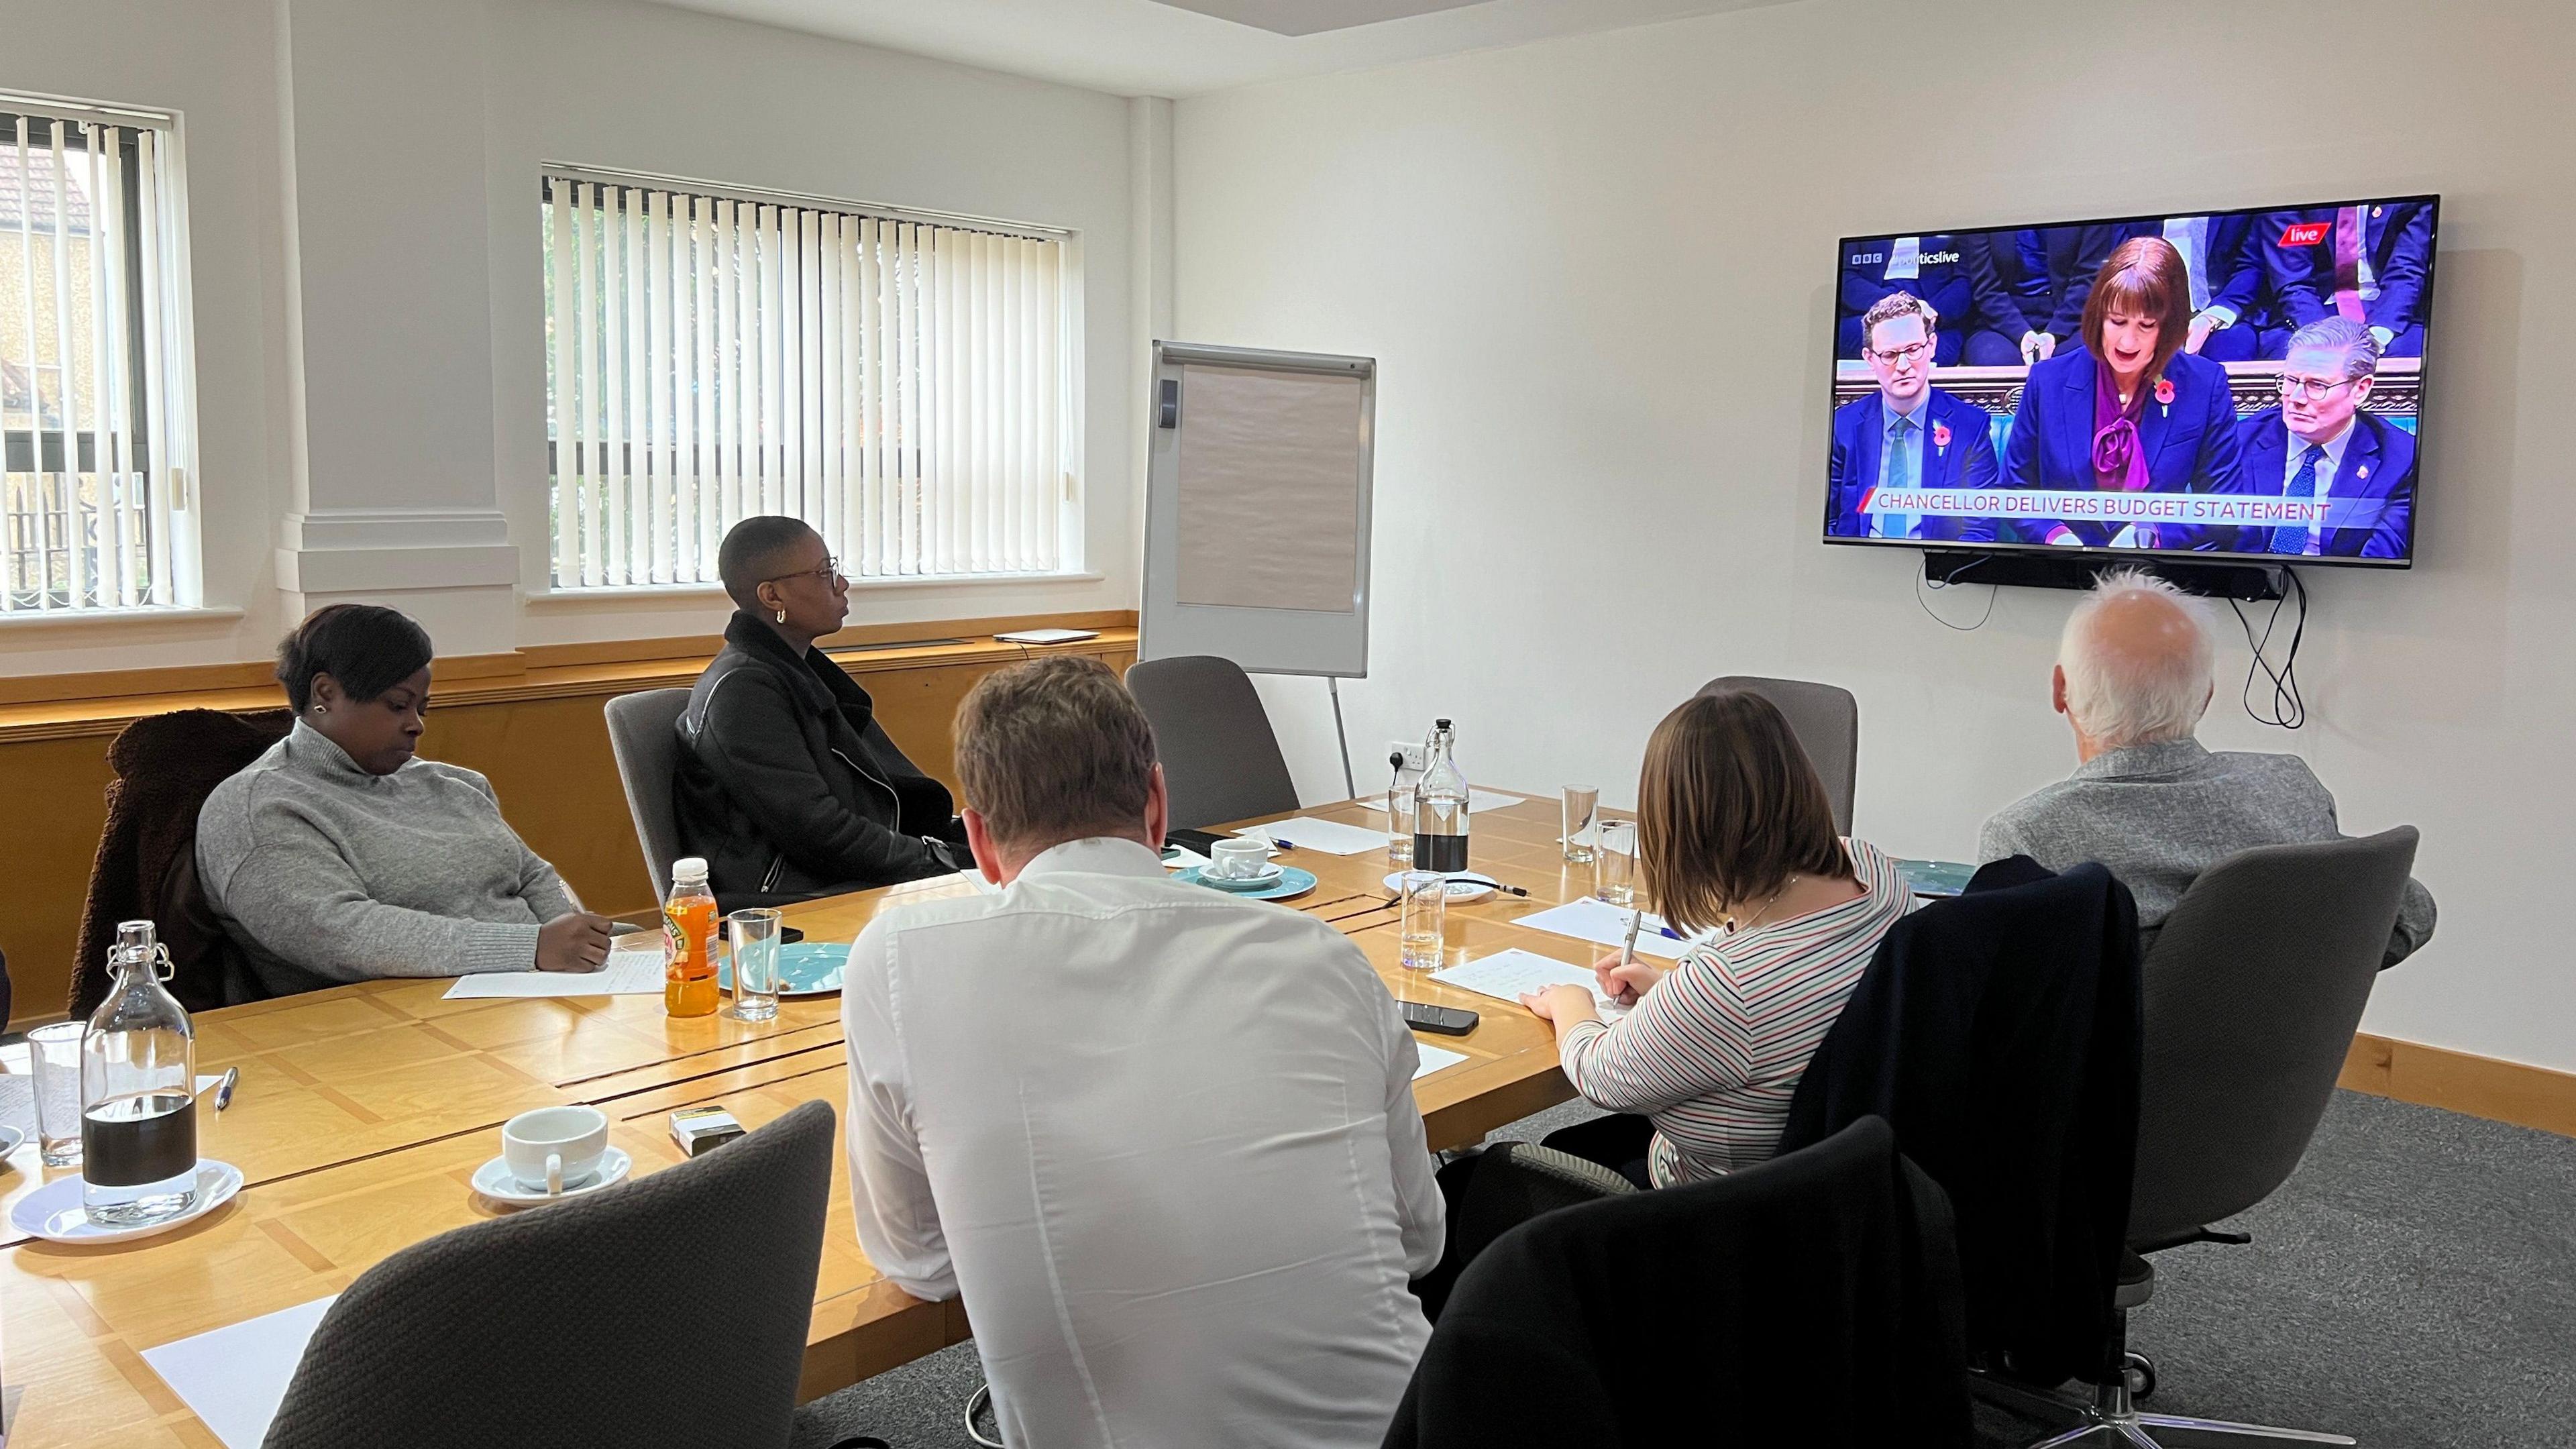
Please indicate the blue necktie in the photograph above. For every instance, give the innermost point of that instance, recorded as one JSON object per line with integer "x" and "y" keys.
{"x": 1900, "y": 474}
{"x": 2293, "y": 538}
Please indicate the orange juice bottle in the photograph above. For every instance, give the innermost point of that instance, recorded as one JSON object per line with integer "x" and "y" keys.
{"x": 688, "y": 942}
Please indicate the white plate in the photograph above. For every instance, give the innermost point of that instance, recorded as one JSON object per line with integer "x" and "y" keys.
{"x": 54, "y": 1211}
{"x": 1464, "y": 886}
{"x": 496, "y": 1181}
{"x": 11, "y": 1139}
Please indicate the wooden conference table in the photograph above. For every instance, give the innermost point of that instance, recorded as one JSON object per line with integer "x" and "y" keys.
{"x": 363, "y": 1111}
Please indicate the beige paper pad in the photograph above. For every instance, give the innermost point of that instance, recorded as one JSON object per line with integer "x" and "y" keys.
{"x": 1269, "y": 484}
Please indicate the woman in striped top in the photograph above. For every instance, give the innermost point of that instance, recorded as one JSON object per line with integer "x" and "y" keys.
{"x": 1736, "y": 841}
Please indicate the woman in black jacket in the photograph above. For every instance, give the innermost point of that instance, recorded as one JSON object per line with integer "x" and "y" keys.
{"x": 787, "y": 785}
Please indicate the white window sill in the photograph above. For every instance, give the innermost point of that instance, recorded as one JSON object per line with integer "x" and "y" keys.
{"x": 73, "y": 621}
{"x": 698, "y": 593}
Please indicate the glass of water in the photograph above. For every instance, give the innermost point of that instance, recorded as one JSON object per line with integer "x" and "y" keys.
{"x": 753, "y": 934}
{"x": 55, "y": 1052}
{"x": 1425, "y": 896}
{"x": 1399, "y": 826}
{"x": 1614, "y": 865}
{"x": 1581, "y": 823}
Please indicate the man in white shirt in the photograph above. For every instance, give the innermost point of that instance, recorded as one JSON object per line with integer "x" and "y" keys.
{"x": 1162, "y": 1140}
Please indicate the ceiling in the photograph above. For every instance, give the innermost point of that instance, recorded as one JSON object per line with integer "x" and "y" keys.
{"x": 1149, "y": 47}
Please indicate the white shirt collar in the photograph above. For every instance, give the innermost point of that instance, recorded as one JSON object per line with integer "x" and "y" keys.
{"x": 2332, "y": 462}
{"x": 1094, "y": 855}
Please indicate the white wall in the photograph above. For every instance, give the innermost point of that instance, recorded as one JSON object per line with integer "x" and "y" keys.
{"x": 363, "y": 187}
{"x": 1597, "y": 274}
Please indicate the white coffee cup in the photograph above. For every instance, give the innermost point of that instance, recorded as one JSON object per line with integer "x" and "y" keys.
{"x": 1239, "y": 859}
{"x": 551, "y": 1146}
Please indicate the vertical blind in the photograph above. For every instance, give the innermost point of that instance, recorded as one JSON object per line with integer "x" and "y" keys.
{"x": 88, "y": 354}
{"x": 898, "y": 384}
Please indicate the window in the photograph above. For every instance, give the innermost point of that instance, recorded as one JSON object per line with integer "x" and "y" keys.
{"x": 94, "y": 410}
{"x": 900, "y": 383}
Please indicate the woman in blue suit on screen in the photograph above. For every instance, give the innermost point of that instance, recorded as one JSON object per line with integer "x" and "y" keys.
{"x": 2129, "y": 411}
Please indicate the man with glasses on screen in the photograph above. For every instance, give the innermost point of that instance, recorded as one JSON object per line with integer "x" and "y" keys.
{"x": 1908, "y": 435}
{"x": 2320, "y": 445}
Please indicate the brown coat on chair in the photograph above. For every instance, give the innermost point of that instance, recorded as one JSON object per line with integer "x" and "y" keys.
{"x": 146, "y": 869}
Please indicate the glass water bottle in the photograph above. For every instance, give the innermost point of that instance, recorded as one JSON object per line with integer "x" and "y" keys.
{"x": 138, "y": 1092}
{"x": 1440, "y": 807}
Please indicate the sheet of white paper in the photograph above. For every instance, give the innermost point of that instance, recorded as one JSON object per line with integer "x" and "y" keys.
{"x": 1047, "y": 636}
{"x": 628, "y": 973}
{"x": 234, "y": 1377}
{"x": 1603, "y": 924}
{"x": 1507, "y": 975}
{"x": 1435, "y": 1059}
{"x": 1476, "y": 800}
{"x": 1181, "y": 857}
{"x": 206, "y": 1083}
{"x": 1307, "y": 833}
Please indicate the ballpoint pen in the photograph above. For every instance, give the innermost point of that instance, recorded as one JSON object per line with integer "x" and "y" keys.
{"x": 224, "y": 1088}
{"x": 1628, "y": 948}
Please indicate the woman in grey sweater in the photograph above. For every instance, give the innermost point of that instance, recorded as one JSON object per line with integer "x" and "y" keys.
{"x": 339, "y": 855}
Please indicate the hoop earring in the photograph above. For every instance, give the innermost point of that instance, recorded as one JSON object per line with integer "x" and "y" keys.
{"x": 321, "y": 709}
{"x": 782, "y": 616}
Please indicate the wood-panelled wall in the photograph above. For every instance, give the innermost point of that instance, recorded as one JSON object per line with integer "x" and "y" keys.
{"x": 538, "y": 732}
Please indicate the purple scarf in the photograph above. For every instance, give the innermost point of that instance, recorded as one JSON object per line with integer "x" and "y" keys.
{"x": 2118, "y": 461}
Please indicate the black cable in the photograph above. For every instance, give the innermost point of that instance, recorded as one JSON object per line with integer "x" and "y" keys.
{"x": 2289, "y": 711}
{"x": 1950, "y": 580}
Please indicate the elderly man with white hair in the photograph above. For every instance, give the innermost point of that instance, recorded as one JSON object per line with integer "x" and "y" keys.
{"x": 2134, "y": 676}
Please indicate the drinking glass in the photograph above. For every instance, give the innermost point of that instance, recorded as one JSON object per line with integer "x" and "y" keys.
{"x": 55, "y": 1052}
{"x": 1426, "y": 906}
{"x": 1581, "y": 824}
{"x": 1614, "y": 865}
{"x": 754, "y": 936}
{"x": 1399, "y": 826}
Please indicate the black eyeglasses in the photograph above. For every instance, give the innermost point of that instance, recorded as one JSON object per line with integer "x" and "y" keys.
{"x": 2313, "y": 386}
{"x": 1894, "y": 355}
{"x": 830, "y": 570}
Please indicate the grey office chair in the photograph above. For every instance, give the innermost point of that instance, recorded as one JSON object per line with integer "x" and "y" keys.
{"x": 669, "y": 1310}
{"x": 1220, "y": 760}
{"x": 640, "y": 733}
{"x": 2252, "y": 993}
{"x": 1827, "y": 721}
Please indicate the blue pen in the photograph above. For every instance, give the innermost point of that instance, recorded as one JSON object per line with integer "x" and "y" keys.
{"x": 1668, "y": 933}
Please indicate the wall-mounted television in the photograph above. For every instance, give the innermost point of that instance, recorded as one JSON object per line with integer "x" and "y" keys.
{"x": 2245, "y": 385}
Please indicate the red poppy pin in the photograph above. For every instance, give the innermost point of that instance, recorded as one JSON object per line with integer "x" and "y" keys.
{"x": 1941, "y": 435}
{"x": 2164, "y": 391}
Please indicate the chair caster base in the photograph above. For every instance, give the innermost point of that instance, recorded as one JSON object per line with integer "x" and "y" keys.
{"x": 2112, "y": 1420}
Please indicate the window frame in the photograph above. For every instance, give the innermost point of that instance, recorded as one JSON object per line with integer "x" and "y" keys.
{"x": 170, "y": 327}
{"x": 1071, "y": 493}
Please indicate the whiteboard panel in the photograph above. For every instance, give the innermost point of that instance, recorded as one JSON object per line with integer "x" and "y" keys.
{"x": 1257, "y": 509}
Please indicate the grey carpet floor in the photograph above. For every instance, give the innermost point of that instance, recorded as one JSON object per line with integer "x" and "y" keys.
{"x": 2414, "y": 1285}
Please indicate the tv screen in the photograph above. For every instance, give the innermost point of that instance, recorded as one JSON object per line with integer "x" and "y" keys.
{"x": 2239, "y": 384}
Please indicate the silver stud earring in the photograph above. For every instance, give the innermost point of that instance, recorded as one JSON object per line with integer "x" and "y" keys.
{"x": 782, "y": 616}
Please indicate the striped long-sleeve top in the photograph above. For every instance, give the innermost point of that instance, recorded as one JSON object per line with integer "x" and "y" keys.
{"x": 1713, "y": 1052}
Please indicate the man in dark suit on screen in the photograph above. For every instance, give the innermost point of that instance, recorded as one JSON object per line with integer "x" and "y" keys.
{"x": 1909, "y": 434}
{"x": 2319, "y": 444}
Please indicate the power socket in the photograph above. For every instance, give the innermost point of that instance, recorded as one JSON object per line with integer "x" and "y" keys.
{"x": 1411, "y": 750}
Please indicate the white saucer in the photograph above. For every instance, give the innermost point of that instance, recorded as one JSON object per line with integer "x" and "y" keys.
{"x": 11, "y": 1139}
{"x": 1464, "y": 886}
{"x": 496, "y": 1181}
{"x": 53, "y": 1212}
